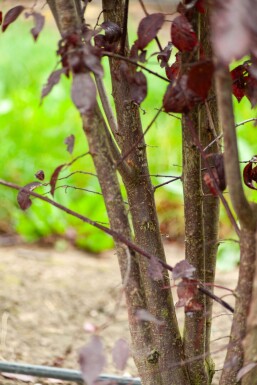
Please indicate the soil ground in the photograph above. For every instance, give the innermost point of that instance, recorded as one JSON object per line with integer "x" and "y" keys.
{"x": 47, "y": 296}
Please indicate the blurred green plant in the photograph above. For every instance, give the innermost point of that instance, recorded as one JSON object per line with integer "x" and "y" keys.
{"x": 33, "y": 138}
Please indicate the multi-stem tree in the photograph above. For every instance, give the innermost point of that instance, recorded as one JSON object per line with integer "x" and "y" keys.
{"x": 200, "y": 32}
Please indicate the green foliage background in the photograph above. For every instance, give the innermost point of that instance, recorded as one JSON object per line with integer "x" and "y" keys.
{"x": 32, "y": 138}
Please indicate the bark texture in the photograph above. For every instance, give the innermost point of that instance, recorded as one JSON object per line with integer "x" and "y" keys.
{"x": 209, "y": 130}
{"x": 166, "y": 348}
{"x": 195, "y": 323}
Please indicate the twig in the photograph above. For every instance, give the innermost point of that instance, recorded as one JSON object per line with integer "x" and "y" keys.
{"x": 169, "y": 181}
{"x": 246, "y": 121}
{"x": 114, "y": 234}
{"x": 78, "y": 172}
{"x": 135, "y": 63}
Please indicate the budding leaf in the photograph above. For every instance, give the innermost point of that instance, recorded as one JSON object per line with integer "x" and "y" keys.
{"x": 70, "y": 140}
{"x": 40, "y": 175}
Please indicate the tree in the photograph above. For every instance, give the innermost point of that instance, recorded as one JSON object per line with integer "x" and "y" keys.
{"x": 117, "y": 145}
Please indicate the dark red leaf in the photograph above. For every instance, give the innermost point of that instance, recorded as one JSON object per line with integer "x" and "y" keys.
{"x": 120, "y": 354}
{"x": 53, "y": 79}
{"x": 183, "y": 269}
{"x": 239, "y": 78}
{"x": 92, "y": 360}
{"x": 183, "y": 36}
{"x": 39, "y": 21}
{"x": 248, "y": 177}
{"x": 200, "y": 78}
{"x": 216, "y": 162}
{"x": 173, "y": 71}
{"x": 251, "y": 90}
{"x": 164, "y": 56}
{"x": 155, "y": 269}
{"x": 138, "y": 87}
{"x": 148, "y": 29}
{"x": 23, "y": 198}
{"x": 112, "y": 31}
{"x": 179, "y": 98}
{"x": 144, "y": 315}
{"x": 11, "y": 16}
{"x": 83, "y": 93}
{"x": 70, "y": 140}
{"x": 1, "y": 17}
{"x": 187, "y": 291}
{"x": 40, "y": 175}
{"x": 54, "y": 178}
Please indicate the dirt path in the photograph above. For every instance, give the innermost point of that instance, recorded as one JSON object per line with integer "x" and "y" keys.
{"x": 47, "y": 296}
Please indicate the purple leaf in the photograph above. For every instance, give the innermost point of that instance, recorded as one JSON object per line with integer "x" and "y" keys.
{"x": 91, "y": 59}
{"x": 164, "y": 56}
{"x": 112, "y": 31}
{"x": 40, "y": 175}
{"x": 39, "y": 21}
{"x": 92, "y": 360}
{"x": 183, "y": 269}
{"x": 11, "y": 16}
{"x": 1, "y": 17}
{"x": 148, "y": 28}
{"x": 183, "y": 36}
{"x": 187, "y": 291}
{"x": 245, "y": 369}
{"x": 53, "y": 79}
{"x": 144, "y": 315}
{"x": 120, "y": 354}
{"x": 179, "y": 98}
{"x": 155, "y": 269}
{"x": 54, "y": 178}
{"x": 249, "y": 175}
{"x": 239, "y": 78}
{"x": 70, "y": 140}
{"x": 23, "y": 198}
{"x": 83, "y": 93}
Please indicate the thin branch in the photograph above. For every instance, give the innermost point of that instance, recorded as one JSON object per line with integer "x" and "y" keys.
{"x": 114, "y": 234}
{"x": 106, "y": 106}
{"x": 135, "y": 63}
{"x": 246, "y": 121}
{"x": 78, "y": 172}
{"x": 169, "y": 181}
